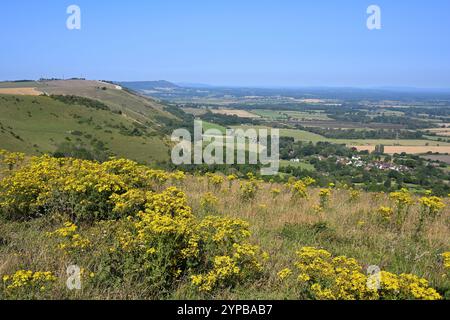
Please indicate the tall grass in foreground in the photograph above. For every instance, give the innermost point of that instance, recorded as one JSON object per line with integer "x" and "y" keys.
{"x": 140, "y": 233}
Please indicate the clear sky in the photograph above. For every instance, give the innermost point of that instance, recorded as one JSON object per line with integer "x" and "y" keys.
{"x": 230, "y": 42}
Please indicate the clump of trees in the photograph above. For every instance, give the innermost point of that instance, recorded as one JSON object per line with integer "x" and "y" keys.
{"x": 97, "y": 151}
{"x": 81, "y": 101}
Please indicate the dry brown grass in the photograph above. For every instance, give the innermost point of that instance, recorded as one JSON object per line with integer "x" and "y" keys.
{"x": 352, "y": 228}
{"x": 341, "y": 212}
{"x": 21, "y": 91}
{"x": 280, "y": 226}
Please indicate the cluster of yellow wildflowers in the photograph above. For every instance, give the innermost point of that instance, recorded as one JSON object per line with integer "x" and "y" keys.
{"x": 84, "y": 188}
{"x": 69, "y": 240}
{"x": 130, "y": 202}
{"x": 386, "y": 213}
{"x": 215, "y": 180}
{"x": 138, "y": 176}
{"x": 209, "y": 202}
{"x": 300, "y": 188}
{"x": 227, "y": 270}
{"x": 224, "y": 269}
{"x": 446, "y": 260}
{"x": 402, "y": 200}
{"x": 285, "y": 273}
{"x": 430, "y": 208}
{"x": 341, "y": 278}
{"x": 406, "y": 286}
{"x": 224, "y": 240}
{"x": 222, "y": 230}
{"x": 354, "y": 194}
{"x": 166, "y": 216}
{"x": 213, "y": 250}
{"x": 431, "y": 205}
{"x": 249, "y": 188}
{"x": 324, "y": 195}
{"x": 10, "y": 159}
{"x": 331, "y": 278}
{"x": 230, "y": 179}
{"x": 28, "y": 282}
{"x": 402, "y": 197}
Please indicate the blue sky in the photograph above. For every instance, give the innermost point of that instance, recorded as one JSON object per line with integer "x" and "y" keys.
{"x": 230, "y": 42}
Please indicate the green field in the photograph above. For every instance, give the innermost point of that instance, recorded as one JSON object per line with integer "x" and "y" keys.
{"x": 209, "y": 125}
{"x": 301, "y": 165}
{"x": 36, "y": 125}
{"x": 297, "y": 115}
{"x": 300, "y": 135}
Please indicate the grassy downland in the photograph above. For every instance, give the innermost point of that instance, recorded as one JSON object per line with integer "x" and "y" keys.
{"x": 40, "y": 124}
{"x": 138, "y": 108}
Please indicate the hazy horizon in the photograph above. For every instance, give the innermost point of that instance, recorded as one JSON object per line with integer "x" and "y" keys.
{"x": 286, "y": 87}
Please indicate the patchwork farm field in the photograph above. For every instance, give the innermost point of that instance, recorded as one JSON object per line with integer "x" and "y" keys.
{"x": 369, "y": 144}
{"x": 296, "y": 134}
{"x": 318, "y": 118}
{"x": 296, "y": 115}
{"x": 332, "y": 124}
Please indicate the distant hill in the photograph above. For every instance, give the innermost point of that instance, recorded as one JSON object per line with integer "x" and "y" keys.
{"x": 129, "y": 125}
{"x": 148, "y": 85}
{"x": 165, "y": 90}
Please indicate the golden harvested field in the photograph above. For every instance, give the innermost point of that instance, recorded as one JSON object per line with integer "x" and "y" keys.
{"x": 445, "y": 132}
{"x": 21, "y": 91}
{"x": 239, "y": 113}
{"x": 407, "y": 149}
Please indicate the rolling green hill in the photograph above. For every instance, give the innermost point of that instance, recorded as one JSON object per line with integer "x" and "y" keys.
{"x": 130, "y": 125}
{"x": 40, "y": 124}
{"x": 144, "y": 110}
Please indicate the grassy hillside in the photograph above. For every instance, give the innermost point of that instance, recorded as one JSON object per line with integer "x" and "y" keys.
{"x": 138, "y": 233}
{"x": 38, "y": 124}
{"x": 141, "y": 109}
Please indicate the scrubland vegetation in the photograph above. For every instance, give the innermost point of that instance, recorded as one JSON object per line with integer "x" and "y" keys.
{"x": 140, "y": 233}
